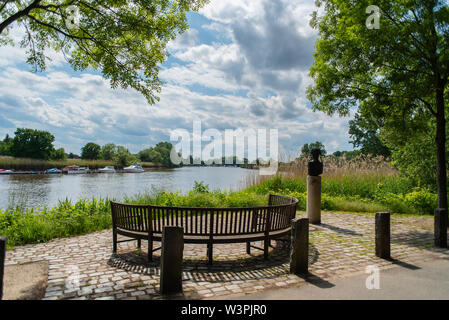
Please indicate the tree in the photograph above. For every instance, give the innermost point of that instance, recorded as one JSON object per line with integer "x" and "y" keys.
{"x": 123, "y": 157}
{"x": 72, "y": 156}
{"x": 307, "y": 149}
{"x": 30, "y": 143}
{"x": 91, "y": 151}
{"x": 397, "y": 75}
{"x": 125, "y": 39}
{"x": 164, "y": 150}
{"x": 5, "y": 146}
{"x": 58, "y": 154}
{"x": 108, "y": 151}
{"x": 365, "y": 136}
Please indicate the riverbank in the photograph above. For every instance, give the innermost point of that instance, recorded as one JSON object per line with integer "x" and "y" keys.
{"x": 32, "y": 165}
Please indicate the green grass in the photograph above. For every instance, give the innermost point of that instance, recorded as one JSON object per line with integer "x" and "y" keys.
{"x": 23, "y": 226}
{"x": 358, "y": 193}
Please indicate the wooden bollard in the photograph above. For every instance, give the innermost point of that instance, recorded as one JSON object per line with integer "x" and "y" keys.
{"x": 383, "y": 235}
{"x": 171, "y": 260}
{"x": 299, "y": 251}
{"x": 2, "y": 263}
{"x": 440, "y": 227}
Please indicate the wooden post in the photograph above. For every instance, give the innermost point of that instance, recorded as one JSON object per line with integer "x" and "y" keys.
{"x": 2, "y": 263}
{"x": 383, "y": 235}
{"x": 299, "y": 251}
{"x": 440, "y": 227}
{"x": 171, "y": 260}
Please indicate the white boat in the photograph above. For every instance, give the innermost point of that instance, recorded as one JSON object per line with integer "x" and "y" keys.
{"x": 107, "y": 169}
{"x": 134, "y": 168}
{"x": 78, "y": 170}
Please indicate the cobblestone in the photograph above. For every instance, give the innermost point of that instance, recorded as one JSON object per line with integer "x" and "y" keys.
{"x": 341, "y": 246}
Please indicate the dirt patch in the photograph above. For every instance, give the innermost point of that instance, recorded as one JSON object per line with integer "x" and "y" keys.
{"x": 25, "y": 281}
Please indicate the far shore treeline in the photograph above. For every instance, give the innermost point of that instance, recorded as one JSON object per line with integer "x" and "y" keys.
{"x": 32, "y": 149}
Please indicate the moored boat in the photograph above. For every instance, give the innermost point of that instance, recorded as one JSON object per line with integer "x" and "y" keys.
{"x": 107, "y": 169}
{"x": 74, "y": 169}
{"x": 135, "y": 168}
{"x": 53, "y": 171}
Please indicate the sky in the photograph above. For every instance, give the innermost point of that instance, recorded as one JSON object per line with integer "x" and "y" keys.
{"x": 241, "y": 64}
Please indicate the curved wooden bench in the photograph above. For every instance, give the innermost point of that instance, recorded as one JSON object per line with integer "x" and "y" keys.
{"x": 205, "y": 225}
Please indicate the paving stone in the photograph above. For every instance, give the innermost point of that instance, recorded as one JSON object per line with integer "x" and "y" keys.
{"x": 343, "y": 245}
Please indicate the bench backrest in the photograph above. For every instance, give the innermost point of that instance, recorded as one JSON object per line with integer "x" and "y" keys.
{"x": 207, "y": 221}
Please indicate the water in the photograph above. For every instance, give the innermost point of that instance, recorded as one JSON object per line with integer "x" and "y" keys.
{"x": 47, "y": 190}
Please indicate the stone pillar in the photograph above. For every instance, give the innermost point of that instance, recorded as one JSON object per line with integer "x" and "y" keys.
{"x": 314, "y": 199}
{"x": 440, "y": 227}
{"x": 2, "y": 263}
{"x": 299, "y": 251}
{"x": 171, "y": 260}
{"x": 383, "y": 235}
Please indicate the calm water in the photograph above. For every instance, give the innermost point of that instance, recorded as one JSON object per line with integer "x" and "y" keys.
{"x": 41, "y": 190}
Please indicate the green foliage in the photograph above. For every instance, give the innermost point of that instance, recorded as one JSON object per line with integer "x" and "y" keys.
{"x": 5, "y": 146}
{"x": 108, "y": 151}
{"x": 307, "y": 149}
{"x": 90, "y": 151}
{"x": 365, "y": 136}
{"x": 200, "y": 187}
{"x": 200, "y": 198}
{"x": 58, "y": 154}
{"x": 126, "y": 40}
{"x": 361, "y": 193}
{"x": 34, "y": 144}
{"x": 123, "y": 157}
{"x": 160, "y": 154}
{"x": 35, "y": 225}
{"x": 397, "y": 77}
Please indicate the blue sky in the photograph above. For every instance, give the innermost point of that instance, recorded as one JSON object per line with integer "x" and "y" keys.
{"x": 242, "y": 64}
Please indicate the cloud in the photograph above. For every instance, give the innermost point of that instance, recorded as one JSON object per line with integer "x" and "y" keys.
{"x": 255, "y": 78}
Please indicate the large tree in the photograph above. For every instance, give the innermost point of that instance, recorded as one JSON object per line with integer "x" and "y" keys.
{"x": 397, "y": 74}
{"x": 91, "y": 151}
{"x": 30, "y": 143}
{"x": 125, "y": 39}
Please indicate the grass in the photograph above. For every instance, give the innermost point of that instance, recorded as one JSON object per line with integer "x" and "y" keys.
{"x": 35, "y": 225}
{"x": 12, "y": 163}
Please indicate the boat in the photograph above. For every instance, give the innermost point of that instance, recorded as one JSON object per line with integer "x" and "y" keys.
{"x": 107, "y": 169}
{"x": 4, "y": 171}
{"x": 74, "y": 169}
{"x": 134, "y": 168}
{"x": 53, "y": 170}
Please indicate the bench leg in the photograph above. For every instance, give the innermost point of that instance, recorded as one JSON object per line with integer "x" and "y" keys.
{"x": 266, "y": 245}
{"x": 248, "y": 247}
{"x": 150, "y": 250}
{"x": 139, "y": 244}
{"x": 114, "y": 241}
{"x": 210, "y": 252}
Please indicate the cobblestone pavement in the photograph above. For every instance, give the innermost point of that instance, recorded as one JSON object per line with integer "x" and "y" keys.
{"x": 83, "y": 267}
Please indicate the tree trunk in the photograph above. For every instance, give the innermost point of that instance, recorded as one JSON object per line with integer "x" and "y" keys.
{"x": 441, "y": 149}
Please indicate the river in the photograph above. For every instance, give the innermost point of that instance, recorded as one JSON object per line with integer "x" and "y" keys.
{"x": 46, "y": 190}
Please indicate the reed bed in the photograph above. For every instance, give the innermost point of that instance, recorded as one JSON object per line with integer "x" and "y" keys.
{"x": 25, "y": 164}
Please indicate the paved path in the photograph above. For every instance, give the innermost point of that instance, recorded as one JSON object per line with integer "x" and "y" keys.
{"x": 423, "y": 281}
{"x": 83, "y": 267}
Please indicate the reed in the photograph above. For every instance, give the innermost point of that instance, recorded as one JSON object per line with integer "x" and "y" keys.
{"x": 25, "y": 164}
